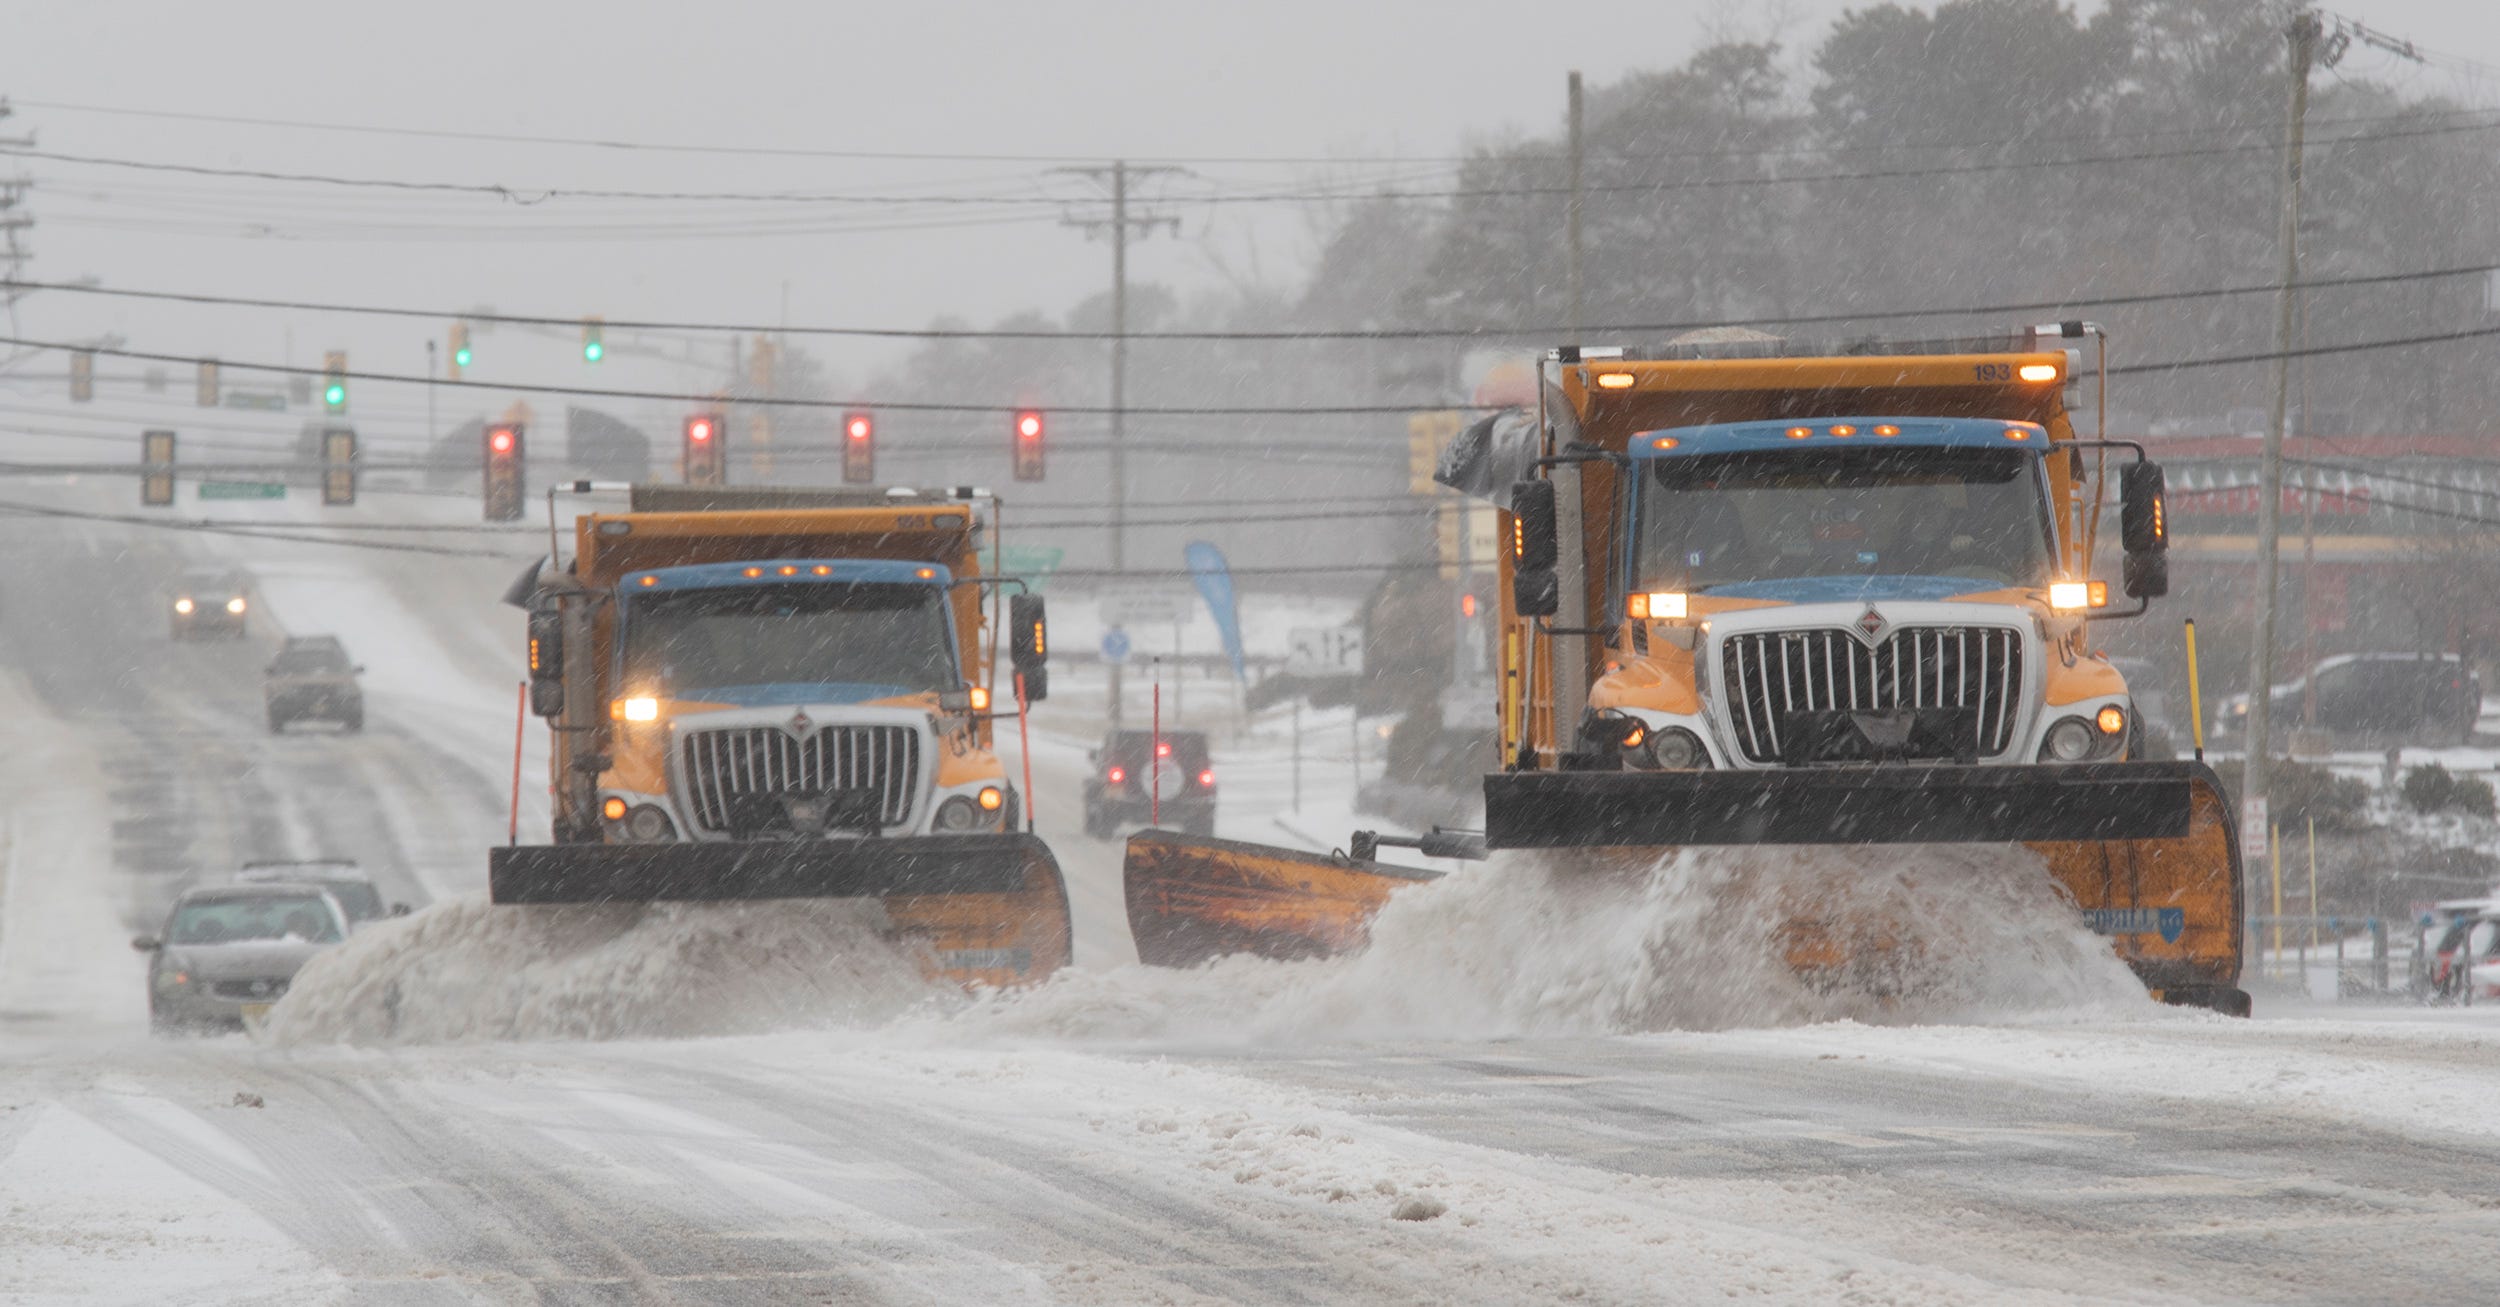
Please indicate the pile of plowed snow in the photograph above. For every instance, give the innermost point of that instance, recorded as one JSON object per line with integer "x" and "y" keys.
{"x": 1700, "y": 940}
{"x": 465, "y": 969}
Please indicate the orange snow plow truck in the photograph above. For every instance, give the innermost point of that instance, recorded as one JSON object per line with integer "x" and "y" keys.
{"x": 1758, "y": 593}
{"x": 758, "y": 694}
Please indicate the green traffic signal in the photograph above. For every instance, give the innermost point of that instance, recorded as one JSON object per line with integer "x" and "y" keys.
{"x": 336, "y": 395}
{"x": 461, "y": 356}
{"x": 592, "y": 351}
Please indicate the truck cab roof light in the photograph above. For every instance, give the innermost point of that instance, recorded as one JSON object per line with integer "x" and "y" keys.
{"x": 1887, "y": 431}
{"x": 1800, "y": 433}
{"x": 2037, "y": 372}
{"x": 1844, "y": 429}
{"x": 1664, "y": 442}
{"x": 1615, "y": 380}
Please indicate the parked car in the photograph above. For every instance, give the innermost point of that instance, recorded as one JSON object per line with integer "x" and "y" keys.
{"x": 311, "y": 679}
{"x": 210, "y": 604}
{"x": 2477, "y": 939}
{"x": 342, "y": 879}
{"x": 1131, "y": 768}
{"x": 2375, "y": 699}
{"x": 229, "y": 951}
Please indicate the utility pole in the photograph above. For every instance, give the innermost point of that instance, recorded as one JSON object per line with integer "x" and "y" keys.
{"x": 1571, "y": 216}
{"x": 2303, "y": 34}
{"x": 429, "y": 395}
{"x": 1117, "y": 178}
{"x": 13, "y": 253}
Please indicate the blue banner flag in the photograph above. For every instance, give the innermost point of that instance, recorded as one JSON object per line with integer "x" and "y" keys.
{"x": 1215, "y": 583}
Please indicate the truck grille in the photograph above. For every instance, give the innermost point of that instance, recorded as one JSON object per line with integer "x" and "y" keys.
{"x": 726, "y": 765}
{"x": 1771, "y": 673}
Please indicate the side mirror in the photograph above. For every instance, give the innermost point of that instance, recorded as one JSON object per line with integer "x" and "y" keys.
{"x": 358, "y": 669}
{"x": 2143, "y": 531}
{"x": 1533, "y": 550}
{"x": 147, "y": 944}
{"x": 2143, "y": 519}
{"x": 399, "y": 909}
{"x": 1028, "y": 644}
{"x": 546, "y": 633}
{"x": 2145, "y": 576}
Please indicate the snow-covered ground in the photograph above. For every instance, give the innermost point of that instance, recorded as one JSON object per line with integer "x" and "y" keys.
{"x": 1540, "y": 1084}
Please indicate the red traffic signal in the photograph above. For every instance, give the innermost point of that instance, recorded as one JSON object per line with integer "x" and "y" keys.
{"x": 504, "y": 490}
{"x": 859, "y": 448}
{"x": 704, "y": 464}
{"x": 1028, "y": 445}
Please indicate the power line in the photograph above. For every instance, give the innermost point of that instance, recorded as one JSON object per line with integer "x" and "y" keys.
{"x": 1379, "y": 333}
{"x": 531, "y": 196}
{"x": 609, "y": 144}
{"x": 1171, "y": 410}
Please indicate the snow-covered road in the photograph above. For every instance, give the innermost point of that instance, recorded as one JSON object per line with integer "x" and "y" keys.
{"x": 1471, "y": 1114}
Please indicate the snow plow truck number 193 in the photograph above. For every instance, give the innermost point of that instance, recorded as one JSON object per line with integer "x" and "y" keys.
{"x": 785, "y": 695}
{"x": 1763, "y": 593}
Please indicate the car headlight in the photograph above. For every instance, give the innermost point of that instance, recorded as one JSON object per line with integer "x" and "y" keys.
{"x": 183, "y": 605}
{"x": 235, "y": 605}
{"x": 962, "y": 814}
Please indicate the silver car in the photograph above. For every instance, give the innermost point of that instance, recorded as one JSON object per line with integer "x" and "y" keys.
{"x": 229, "y": 951}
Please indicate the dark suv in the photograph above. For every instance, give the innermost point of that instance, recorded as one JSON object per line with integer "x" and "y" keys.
{"x": 311, "y": 680}
{"x": 2376, "y": 699}
{"x": 1131, "y": 768}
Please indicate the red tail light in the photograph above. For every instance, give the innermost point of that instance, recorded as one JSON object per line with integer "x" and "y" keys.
{"x": 1117, "y": 775}
{"x": 1162, "y": 750}
{"x": 1206, "y": 779}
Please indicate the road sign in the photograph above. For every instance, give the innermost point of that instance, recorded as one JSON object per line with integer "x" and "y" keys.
{"x": 271, "y": 400}
{"x": 1325, "y": 651}
{"x": 1115, "y": 646}
{"x": 1138, "y": 606}
{"x": 242, "y": 490}
{"x": 2253, "y": 846}
{"x": 1034, "y": 563}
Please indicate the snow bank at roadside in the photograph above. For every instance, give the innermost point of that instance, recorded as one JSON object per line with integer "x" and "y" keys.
{"x": 1702, "y": 940}
{"x": 466, "y": 970}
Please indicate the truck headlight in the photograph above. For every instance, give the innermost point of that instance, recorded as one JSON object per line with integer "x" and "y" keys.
{"x": 2078, "y": 739}
{"x": 640, "y": 824}
{"x": 1668, "y": 748}
{"x": 961, "y": 814}
{"x": 184, "y": 605}
{"x": 235, "y": 605}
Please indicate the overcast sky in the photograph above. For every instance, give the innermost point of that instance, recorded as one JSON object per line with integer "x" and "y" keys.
{"x": 1398, "y": 86}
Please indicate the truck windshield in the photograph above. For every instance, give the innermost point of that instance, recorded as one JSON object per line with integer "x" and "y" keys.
{"x": 684, "y": 642}
{"x": 1726, "y": 519}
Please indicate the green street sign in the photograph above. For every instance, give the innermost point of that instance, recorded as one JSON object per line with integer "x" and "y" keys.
{"x": 242, "y": 490}
{"x": 270, "y": 400}
{"x": 1034, "y": 563}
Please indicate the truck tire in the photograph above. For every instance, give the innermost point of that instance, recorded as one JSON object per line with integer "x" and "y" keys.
{"x": 353, "y": 722}
{"x": 277, "y": 723}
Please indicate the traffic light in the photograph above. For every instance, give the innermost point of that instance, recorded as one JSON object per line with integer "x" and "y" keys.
{"x": 459, "y": 348}
{"x": 859, "y": 448}
{"x": 208, "y": 389}
{"x": 82, "y": 376}
{"x": 504, "y": 489}
{"x": 156, "y": 457}
{"x": 334, "y": 381}
{"x": 1028, "y": 433}
{"x": 1426, "y": 434}
{"x": 338, "y": 466}
{"x": 593, "y": 348}
{"x": 703, "y": 464}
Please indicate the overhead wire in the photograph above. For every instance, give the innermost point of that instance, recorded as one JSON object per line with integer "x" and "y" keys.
{"x": 2137, "y": 299}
